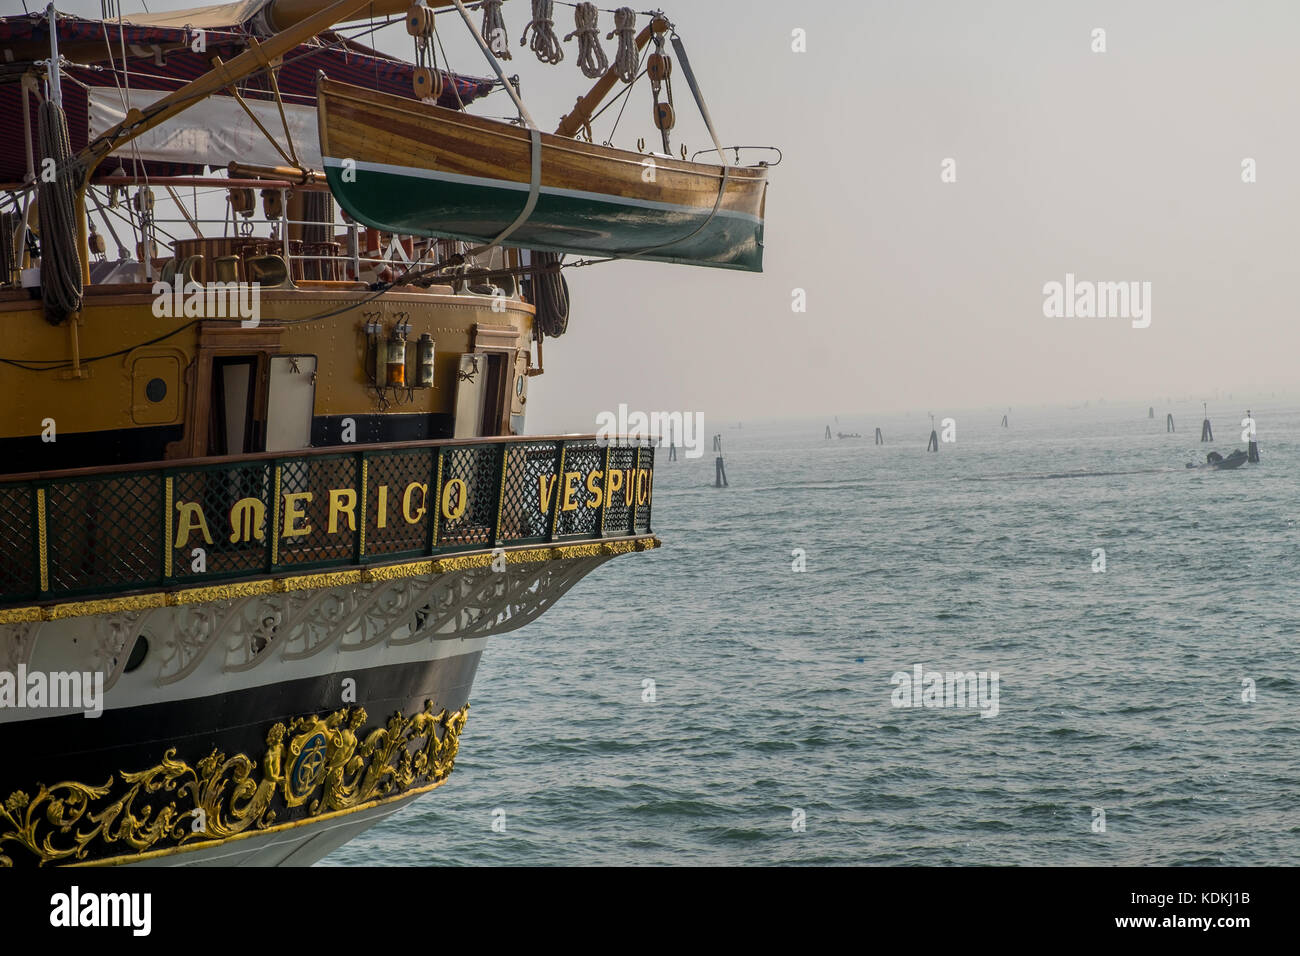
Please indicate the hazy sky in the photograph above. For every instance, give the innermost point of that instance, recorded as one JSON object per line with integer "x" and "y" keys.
{"x": 1117, "y": 166}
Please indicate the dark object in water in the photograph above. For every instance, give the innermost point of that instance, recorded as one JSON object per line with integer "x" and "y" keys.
{"x": 1219, "y": 463}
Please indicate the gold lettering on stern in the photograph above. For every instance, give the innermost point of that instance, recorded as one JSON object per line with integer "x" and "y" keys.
{"x": 545, "y": 488}
{"x": 454, "y": 507}
{"x": 412, "y": 518}
{"x": 191, "y": 518}
{"x": 247, "y": 520}
{"x": 337, "y": 507}
{"x": 294, "y": 508}
{"x": 593, "y": 486}
{"x": 615, "y": 483}
{"x": 571, "y": 481}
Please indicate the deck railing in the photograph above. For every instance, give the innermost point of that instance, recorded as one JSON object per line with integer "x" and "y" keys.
{"x": 104, "y": 531}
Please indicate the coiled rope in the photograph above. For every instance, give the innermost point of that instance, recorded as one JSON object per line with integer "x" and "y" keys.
{"x": 625, "y": 60}
{"x": 550, "y": 294}
{"x": 591, "y": 58}
{"x": 545, "y": 43}
{"x": 60, "y": 261}
{"x": 494, "y": 29}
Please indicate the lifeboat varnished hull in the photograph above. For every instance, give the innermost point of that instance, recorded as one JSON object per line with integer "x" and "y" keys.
{"x": 409, "y": 167}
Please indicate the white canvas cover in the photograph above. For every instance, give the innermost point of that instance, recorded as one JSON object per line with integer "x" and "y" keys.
{"x": 214, "y": 131}
{"x": 205, "y": 18}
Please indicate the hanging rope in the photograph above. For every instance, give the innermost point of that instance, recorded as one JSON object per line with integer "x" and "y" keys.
{"x": 550, "y": 294}
{"x": 545, "y": 43}
{"x": 591, "y": 58}
{"x": 494, "y": 29}
{"x": 625, "y": 60}
{"x": 60, "y": 260}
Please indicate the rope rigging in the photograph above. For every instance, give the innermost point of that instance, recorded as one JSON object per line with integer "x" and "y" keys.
{"x": 550, "y": 294}
{"x": 494, "y": 29}
{"x": 625, "y": 60}
{"x": 591, "y": 58}
{"x": 426, "y": 79}
{"x": 60, "y": 262}
{"x": 659, "y": 67}
{"x": 545, "y": 43}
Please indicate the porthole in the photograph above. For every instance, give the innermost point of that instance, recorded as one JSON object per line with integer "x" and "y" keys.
{"x": 156, "y": 390}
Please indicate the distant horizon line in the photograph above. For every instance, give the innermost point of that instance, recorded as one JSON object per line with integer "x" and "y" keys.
{"x": 1178, "y": 406}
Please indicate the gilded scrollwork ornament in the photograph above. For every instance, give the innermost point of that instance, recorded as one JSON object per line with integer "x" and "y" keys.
{"x": 312, "y": 766}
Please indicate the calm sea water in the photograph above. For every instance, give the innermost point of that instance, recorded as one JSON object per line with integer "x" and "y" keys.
{"x": 1119, "y": 690}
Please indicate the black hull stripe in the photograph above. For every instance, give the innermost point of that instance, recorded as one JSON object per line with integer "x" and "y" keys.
{"x": 89, "y": 750}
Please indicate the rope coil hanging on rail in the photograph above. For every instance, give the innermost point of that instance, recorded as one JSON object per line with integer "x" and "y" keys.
{"x": 625, "y": 60}
{"x": 591, "y": 58}
{"x": 494, "y": 29}
{"x": 545, "y": 43}
{"x": 60, "y": 261}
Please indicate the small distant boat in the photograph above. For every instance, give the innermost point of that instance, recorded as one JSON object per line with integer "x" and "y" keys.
{"x": 414, "y": 167}
{"x": 1217, "y": 462}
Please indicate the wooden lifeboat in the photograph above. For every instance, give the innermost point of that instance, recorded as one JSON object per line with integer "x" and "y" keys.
{"x": 404, "y": 166}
